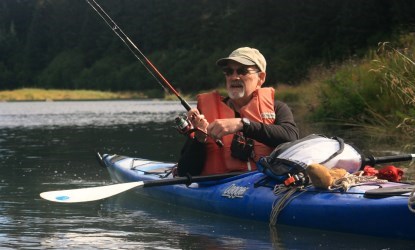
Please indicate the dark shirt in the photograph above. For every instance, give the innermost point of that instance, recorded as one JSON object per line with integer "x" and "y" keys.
{"x": 284, "y": 129}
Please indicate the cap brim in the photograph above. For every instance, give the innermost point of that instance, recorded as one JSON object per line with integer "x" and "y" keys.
{"x": 223, "y": 61}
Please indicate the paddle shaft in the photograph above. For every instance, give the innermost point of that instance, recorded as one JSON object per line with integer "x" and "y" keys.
{"x": 188, "y": 179}
{"x": 97, "y": 193}
{"x": 371, "y": 160}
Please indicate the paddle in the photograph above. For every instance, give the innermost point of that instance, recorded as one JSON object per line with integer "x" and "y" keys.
{"x": 383, "y": 192}
{"x": 371, "y": 160}
{"x": 97, "y": 193}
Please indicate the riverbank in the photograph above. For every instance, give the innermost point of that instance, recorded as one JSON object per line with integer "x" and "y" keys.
{"x": 37, "y": 94}
{"x": 34, "y": 94}
{"x": 373, "y": 93}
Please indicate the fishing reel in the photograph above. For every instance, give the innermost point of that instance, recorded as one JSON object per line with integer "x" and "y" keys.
{"x": 185, "y": 127}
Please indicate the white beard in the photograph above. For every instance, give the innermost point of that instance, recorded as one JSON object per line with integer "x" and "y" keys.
{"x": 234, "y": 93}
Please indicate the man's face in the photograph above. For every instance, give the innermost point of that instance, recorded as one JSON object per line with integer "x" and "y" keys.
{"x": 242, "y": 81}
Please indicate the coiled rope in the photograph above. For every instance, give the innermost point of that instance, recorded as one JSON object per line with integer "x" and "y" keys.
{"x": 287, "y": 195}
{"x": 345, "y": 183}
{"x": 351, "y": 180}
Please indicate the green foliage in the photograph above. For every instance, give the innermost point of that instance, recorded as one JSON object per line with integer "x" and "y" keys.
{"x": 379, "y": 90}
{"x": 288, "y": 95}
{"x": 5, "y": 75}
{"x": 184, "y": 39}
{"x": 397, "y": 68}
{"x": 355, "y": 94}
{"x": 103, "y": 73}
{"x": 60, "y": 71}
{"x": 340, "y": 97}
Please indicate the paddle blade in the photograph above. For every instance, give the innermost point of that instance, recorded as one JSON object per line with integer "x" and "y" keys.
{"x": 89, "y": 194}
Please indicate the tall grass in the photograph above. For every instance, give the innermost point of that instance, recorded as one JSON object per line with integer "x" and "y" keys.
{"x": 397, "y": 66}
{"x": 377, "y": 91}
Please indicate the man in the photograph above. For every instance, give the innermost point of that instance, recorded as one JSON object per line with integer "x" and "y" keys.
{"x": 249, "y": 122}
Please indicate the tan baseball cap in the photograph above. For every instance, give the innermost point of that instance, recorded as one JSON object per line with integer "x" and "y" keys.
{"x": 245, "y": 56}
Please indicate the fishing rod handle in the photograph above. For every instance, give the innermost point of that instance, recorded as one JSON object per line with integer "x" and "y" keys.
{"x": 217, "y": 141}
{"x": 184, "y": 103}
{"x": 188, "y": 108}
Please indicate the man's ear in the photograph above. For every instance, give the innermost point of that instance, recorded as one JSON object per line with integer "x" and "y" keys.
{"x": 262, "y": 77}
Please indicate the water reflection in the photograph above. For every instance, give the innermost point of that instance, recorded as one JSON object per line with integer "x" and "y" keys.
{"x": 86, "y": 113}
{"x": 48, "y": 146}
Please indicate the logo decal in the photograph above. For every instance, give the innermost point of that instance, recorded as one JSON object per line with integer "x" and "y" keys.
{"x": 234, "y": 191}
{"x": 62, "y": 198}
{"x": 268, "y": 115}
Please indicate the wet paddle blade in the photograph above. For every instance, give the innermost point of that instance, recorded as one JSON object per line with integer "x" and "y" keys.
{"x": 89, "y": 194}
{"x": 389, "y": 191}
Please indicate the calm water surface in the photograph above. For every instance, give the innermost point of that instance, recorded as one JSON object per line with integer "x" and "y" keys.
{"x": 51, "y": 145}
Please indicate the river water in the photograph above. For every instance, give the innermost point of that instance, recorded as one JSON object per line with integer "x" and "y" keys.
{"x": 51, "y": 145}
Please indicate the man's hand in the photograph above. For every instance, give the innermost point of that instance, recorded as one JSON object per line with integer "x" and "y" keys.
{"x": 199, "y": 123}
{"x": 221, "y": 127}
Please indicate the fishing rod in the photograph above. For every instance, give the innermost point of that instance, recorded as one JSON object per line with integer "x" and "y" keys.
{"x": 148, "y": 65}
{"x": 182, "y": 124}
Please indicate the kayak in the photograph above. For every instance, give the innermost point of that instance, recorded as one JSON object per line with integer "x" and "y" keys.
{"x": 372, "y": 208}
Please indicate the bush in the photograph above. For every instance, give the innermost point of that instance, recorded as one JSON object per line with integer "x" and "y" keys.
{"x": 349, "y": 94}
{"x": 378, "y": 90}
{"x": 62, "y": 70}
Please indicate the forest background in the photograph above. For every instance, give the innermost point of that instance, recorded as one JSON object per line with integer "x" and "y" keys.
{"x": 64, "y": 44}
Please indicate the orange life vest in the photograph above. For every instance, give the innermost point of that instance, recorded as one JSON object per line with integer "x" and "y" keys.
{"x": 259, "y": 109}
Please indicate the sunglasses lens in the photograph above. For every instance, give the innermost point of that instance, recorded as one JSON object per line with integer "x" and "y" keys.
{"x": 240, "y": 71}
{"x": 228, "y": 71}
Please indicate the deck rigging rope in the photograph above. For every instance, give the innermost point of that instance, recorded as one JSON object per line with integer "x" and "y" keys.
{"x": 351, "y": 180}
{"x": 286, "y": 196}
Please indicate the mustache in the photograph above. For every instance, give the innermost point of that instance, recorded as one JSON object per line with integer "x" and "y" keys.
{"x": 237, "y": 83}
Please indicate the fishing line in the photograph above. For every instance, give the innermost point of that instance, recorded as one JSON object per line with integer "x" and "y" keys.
{"x": 140, "y": 56}
{"x": 136, "y": 51}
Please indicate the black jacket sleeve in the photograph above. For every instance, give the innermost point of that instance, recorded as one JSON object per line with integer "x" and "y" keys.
{"x": 283, "y": 130}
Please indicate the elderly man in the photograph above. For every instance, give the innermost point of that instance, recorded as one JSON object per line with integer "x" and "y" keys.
{"x": 249, "y": 122}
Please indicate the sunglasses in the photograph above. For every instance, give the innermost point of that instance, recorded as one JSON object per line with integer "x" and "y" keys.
{"x": 240, "y": 71}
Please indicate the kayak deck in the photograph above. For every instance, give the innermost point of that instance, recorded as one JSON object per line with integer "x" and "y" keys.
{"x": 251, "y": 196}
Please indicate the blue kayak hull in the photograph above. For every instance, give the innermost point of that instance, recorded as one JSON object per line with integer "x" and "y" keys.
{"x": 250, "y": 196}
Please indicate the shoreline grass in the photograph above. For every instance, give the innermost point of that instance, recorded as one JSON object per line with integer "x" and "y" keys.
{"x": 375, "y": 91}
{"x": 35, "y": 94}
{"x": 372, "y": 93}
